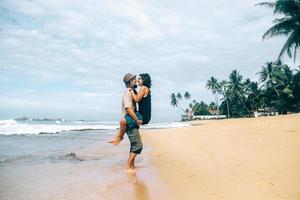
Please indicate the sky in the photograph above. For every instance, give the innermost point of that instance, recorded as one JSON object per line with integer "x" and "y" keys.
{"x": 67, "y": 58}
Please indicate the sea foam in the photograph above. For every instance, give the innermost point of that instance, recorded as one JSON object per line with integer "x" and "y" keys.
{"x": 8, "y": 122}
{"x": 12, "y": 127}
{"x": 22, "y": 128}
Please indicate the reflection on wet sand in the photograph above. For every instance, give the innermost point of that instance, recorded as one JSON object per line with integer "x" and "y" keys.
{"x": 144, "y": 184}
{"x": 140, "y": 190}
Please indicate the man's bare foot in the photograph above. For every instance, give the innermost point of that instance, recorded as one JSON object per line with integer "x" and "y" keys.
{"x": 116, "y": 140}
{"x": 129, "y": 170}
{"x": 132, "y": 166}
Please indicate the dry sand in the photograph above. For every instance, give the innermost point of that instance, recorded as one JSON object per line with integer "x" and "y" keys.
{"x": 235, "y": 159}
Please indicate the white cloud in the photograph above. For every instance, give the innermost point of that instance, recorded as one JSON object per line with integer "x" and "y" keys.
{"x": 87, "y": 46}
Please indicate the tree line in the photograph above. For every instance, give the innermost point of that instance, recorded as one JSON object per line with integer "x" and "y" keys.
{"x": 278, "y": 89}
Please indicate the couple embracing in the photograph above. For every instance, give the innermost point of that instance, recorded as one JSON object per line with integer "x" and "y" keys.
{"x": 132, "y": 118}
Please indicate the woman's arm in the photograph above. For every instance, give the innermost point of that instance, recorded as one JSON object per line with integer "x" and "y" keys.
{"x": 138, "y": 97}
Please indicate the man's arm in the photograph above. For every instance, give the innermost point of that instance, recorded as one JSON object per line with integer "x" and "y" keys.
{"x": 131, "y": 112}
{"x": 128, "y": 104}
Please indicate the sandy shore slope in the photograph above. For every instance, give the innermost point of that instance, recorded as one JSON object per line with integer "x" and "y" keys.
{"x": 230, "y": 159}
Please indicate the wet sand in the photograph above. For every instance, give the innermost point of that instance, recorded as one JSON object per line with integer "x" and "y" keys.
{"x": 94, "y": 171}
{"x": 145, "y": 184}
{"x": 230, "y": 159}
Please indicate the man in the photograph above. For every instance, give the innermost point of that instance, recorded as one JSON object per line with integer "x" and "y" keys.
{"x": 129, "y": 107}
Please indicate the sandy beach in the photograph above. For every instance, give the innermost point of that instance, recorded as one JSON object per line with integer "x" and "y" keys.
{"x": 256, "y": 158}
{"x": 232, "y": 159}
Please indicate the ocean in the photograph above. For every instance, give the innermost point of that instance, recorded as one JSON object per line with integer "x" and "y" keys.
{"x": 71, "y": 160}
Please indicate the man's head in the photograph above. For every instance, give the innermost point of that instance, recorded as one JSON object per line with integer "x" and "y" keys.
{"x": 129, "y": 80}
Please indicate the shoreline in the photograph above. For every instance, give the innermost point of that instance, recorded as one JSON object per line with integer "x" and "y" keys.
{"x": 245, "y": 158}
{"x": 72, "y": 166}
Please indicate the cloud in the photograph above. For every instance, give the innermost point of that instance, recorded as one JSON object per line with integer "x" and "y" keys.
{"x": 82, "y": 49}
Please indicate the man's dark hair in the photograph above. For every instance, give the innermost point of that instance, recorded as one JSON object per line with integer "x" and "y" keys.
{"x": 146, "y": 80}
{"x": 128, "y": 83}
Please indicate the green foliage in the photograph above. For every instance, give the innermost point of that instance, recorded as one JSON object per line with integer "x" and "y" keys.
{"x": 188, "y": 107}
{"x": 181, "y": 103}
{"x": 278, "y": 90}
{"x": 201, "y": 108}
{"x": 296, "y": 90}
{"x": 288, "y": 25}
{"x": 214, "y": 86}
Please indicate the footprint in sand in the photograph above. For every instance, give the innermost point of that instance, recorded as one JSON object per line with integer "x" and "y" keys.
{"x": 191, "y": 175}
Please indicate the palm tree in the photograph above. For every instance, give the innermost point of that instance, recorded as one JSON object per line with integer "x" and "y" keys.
{"x": 200, "y": 108}
{"x": 180, "y": 100}
{"x": 296, "y": 90}
{"x": 285, "y": 80}
{"x": 179, "y": 96}
{"x": 213, "y": 85}
{"x": 174, "y": 101}
{"x": 187, "y": 95}
{"x": 289, "y": 25}
{"x": 285, "y": 89}
{"x": 224, "y": 92}
{"x": 236, "y": 87}
{"x": 268, "y": 75}
{"x": 212, "y": 105}
{"x": 253, "y": 94}
{"x": 177, "y": 101}
{"x": 277, "y": 79}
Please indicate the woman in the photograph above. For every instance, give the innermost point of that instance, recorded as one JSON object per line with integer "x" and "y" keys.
{"x": 143, "y": 98}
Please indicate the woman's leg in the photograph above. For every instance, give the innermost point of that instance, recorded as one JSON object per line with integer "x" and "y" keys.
{"x": 120, "y": 133}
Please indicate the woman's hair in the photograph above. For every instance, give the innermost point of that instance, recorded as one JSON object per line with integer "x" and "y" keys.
{"x": 146, "y": 80}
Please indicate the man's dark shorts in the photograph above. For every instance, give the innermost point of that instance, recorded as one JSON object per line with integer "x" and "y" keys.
{"x": 136, "y": 144}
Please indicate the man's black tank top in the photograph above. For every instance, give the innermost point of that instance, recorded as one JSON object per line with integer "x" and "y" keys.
{"x": 145, "y": 108}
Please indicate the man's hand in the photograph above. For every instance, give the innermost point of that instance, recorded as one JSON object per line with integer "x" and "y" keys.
{"x": 131, "y": 112}
{"x": 139, "y": 122}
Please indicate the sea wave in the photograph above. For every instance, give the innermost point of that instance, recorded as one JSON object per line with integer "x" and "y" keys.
{"x": 16, "y": 159}
{"x": 166, "y": 125}
{"x": 94, "y": 122}
{"x": 17, "y": 129}
{"x": 8, "y": 122}
{"x": 11, "y": 127}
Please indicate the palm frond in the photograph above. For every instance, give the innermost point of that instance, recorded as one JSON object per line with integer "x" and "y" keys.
{"x": 283, "y": 27}
{"x": 289, "y": 25}
{"x": 288, "y": 45}
{"x": 266, "y": 4}
{"x": 295, "y": 52}
{"x": 288, "y": 7}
